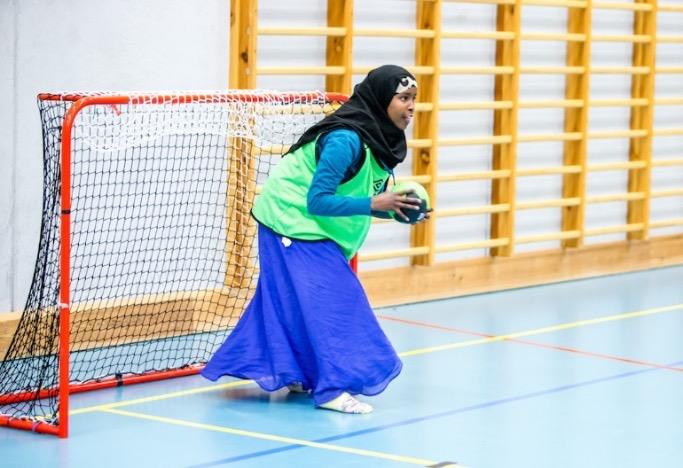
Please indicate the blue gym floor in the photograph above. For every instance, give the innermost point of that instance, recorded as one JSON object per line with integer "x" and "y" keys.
{"x": 579, "y": 374}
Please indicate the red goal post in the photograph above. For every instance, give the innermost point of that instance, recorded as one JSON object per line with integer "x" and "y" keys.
{"x": 147, "y": 255}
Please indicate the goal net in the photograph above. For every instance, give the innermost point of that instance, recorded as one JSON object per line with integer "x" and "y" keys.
{"x": 147, "y": 253}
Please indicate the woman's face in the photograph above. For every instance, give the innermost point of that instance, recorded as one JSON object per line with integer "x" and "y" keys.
{"x": 402, "y": 107}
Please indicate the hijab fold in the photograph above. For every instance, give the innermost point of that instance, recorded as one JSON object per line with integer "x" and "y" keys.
{"x": 366, "y": 113}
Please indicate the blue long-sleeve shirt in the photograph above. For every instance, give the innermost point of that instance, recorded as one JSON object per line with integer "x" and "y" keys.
{"x": 339, "y": 153}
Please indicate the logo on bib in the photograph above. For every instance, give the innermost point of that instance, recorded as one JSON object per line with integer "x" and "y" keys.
{"x": 377, "y": 186}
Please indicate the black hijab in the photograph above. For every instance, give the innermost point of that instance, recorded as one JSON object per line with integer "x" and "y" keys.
{"x": 366, "y": 113}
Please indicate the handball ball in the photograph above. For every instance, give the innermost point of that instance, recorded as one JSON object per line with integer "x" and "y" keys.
{"x": 419, "y": 193}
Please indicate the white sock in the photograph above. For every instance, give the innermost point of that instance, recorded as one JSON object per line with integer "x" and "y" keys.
{"x": 345, "y": 403}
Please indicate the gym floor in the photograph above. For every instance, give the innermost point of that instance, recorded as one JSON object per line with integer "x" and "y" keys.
{"x": 578, "y": 374}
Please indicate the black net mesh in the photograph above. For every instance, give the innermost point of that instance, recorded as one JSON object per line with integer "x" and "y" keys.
{"x": 163, "y": 251}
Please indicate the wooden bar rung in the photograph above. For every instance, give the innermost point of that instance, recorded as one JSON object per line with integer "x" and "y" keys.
{"x": 472, "y": 210}
{"x": 300, "y": 70}
{"x": 671, "y": 101}
{"x": 621, "y": 6}
{"x": 418, "y": 70}
{"x": 616, "y": 166}
{"x": 618, "y": 102}
{"x": 551, "y": 203}
{"x": 494, "y": 2}
{"x": 670, "y": 38}
{"x": 292, "y": 31}
{"x": 414, "y": 33}
{"x": 621, "y": 38}
{"x": 666, "y": 193}
{"x": 419, "y": 143}
{"x": 616, "y": 197}
{"x": 472, "y": 245}
{"x": 547, "y": 237}
{"x": 538, "y": 36}
{"x": 424, "y": 106}
{"x": 475, "y": 105}
{"x": 565, "y": 136}
{"x": 667, "y": 162}
{"x": 614, "y": 229}
{"x": 602, "y": 134}
{"x": 550, "y": 103}
{"x": 669, "y": 70}
{"x": 670, "y": 8}
{"x": 539, "y": 171}
{"x": 484, "y": 140}
{"x": 612, "y": 70}
{"x": 542, "y": 70}
{"x": 477, "y": 70}
{"x": 667, "y": 131}
{"x": 497, "y": 35}
{"x": 666, "y": 223}
{"x": 557, "y": 3}
{"x": 458, "y": 176}
{"x": 389, "y": 254}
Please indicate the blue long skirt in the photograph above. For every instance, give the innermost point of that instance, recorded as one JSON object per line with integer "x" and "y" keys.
{"x": 310, "y": 322}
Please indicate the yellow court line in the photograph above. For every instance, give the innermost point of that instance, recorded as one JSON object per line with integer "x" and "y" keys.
{"x": 538, "y": 331}
{"x": 276, "y": 438}
{"x": 193, "y": 391}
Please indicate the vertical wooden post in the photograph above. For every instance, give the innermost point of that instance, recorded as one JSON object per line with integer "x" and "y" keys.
{"x": 576, "y": 121}
{"x": 427, "y": 53}
{"x": 243, "y": 32}
{"x": 242, "y": 160}
{"x": 340, "y": 48}
{"x": 642, "y": 87}
{"x": 508, "y": 19}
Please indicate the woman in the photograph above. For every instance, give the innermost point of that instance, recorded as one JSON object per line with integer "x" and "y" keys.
{"x": 309, "y": 325}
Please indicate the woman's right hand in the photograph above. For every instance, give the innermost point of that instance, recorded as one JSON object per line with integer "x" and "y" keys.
{"x": 395, "y": 201}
